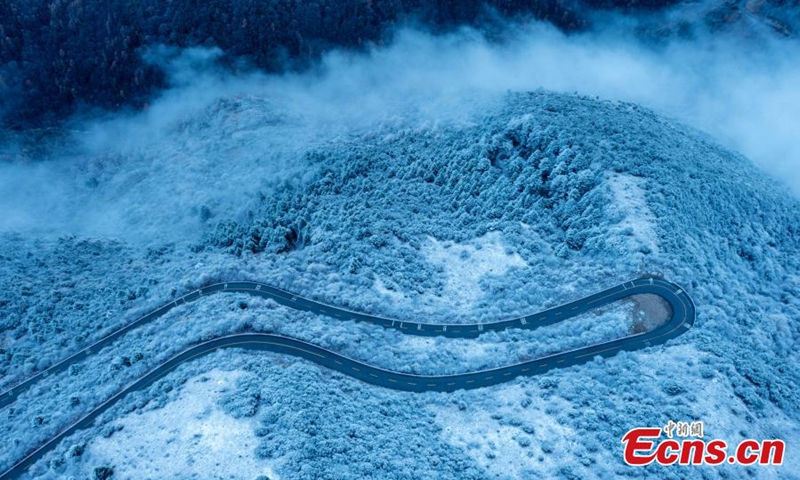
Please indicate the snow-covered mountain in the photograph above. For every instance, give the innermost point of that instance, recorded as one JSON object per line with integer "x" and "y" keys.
{"x": 528, "y": 201}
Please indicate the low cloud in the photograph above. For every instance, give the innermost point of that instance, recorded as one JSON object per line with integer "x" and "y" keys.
{"x": 141, "y": 175}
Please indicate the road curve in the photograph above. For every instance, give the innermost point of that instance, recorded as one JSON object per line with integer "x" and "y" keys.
{"x": 682, "y": 318}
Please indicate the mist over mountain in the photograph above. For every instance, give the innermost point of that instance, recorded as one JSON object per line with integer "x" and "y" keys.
{"x": 62, "y": 57}
{"x": 451, "y": 162}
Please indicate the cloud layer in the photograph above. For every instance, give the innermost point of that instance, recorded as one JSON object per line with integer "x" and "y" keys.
{"x": 149, "y": 174}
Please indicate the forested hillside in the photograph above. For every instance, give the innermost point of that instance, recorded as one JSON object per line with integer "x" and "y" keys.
{"x": 56, "y": 56}
{"x": 535, "y": 200}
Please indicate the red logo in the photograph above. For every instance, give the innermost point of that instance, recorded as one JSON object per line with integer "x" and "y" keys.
{"x": 643, "y": 446}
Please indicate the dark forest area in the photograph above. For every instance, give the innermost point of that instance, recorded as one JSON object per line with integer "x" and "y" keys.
{"x": 60, "y": 56}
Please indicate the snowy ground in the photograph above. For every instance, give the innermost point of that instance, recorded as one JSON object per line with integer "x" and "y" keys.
{"x": 190, "y": 437}
{"x": 637, "y": 219}
{"x": 463, "y": 267}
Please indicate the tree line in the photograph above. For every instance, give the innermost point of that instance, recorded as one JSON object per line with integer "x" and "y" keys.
{"x": 59, "y": 56}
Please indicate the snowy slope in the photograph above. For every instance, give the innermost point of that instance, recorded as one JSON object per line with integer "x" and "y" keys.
{"x": 535, "y": 200}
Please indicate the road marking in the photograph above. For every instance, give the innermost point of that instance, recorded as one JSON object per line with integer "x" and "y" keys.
{"x": 412, "y": 383}
{"x": 269, "y": 343}
{"x": 470, "y": 381}
{"x": 356, "y": 369}
{"x": 419, "y": 326}
{"x": 393, "y": 380}
{"x": 337, "y": 361}
{"x": 488, "y": 378}
{"x": 444, "y": 328}
{"x": 480, "y": 327}
{"x": 450, "y": 384}
{"x": 258, "y": 287}
{"x": 373, "y": 375}
{"x": 522, "y": 321}
{"x": 431, "y": 384}
{"x": 507, "y": 374}
{"x": 525, "y": 369}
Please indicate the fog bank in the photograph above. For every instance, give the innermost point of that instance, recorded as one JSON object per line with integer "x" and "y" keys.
{"x": 207, "y": 146}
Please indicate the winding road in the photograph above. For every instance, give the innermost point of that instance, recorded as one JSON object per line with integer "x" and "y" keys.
{"x": 682, "y": 318}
